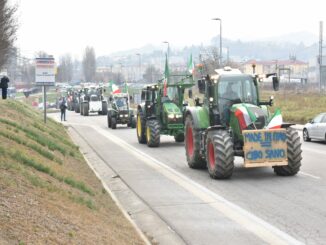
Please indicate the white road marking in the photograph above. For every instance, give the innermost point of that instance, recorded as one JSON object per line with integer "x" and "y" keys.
{"x": 254, "y": 224}
{"x": 309, "y": 175}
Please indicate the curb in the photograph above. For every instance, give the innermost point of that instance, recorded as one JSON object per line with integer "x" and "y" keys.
{"x": 115, "y": 199}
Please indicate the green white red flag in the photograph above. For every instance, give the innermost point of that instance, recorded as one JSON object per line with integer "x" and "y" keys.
{"x": 114, "y": 88}
{"x": 245, "y": 116}
{"x": 166, "y": 76}
{"x": 276, "y": 120}
{"x": 191, "y": 66}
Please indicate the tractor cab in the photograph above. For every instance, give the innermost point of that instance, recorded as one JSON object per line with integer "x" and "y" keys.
{"x": 149, "y": 98}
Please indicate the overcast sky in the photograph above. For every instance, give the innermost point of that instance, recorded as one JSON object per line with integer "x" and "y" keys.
{"x": 68, "y": 26}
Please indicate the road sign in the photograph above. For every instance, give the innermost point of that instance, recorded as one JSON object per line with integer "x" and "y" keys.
{"x": 45, "y": 71}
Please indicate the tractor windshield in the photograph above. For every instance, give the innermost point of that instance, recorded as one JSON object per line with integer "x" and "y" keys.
{"x": 122, "y": 103}
{"x": 235, "y": 89}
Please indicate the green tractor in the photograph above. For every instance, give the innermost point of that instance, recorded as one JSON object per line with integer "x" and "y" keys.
{"x": 161, "y": 113}
{"x": 232, "y": 121}
{"x": 119, "y": 111}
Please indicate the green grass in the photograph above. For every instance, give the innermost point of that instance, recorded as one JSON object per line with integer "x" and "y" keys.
{"x": 28, "y": 161}
{"x": 298, "y": 107}
{"x": 41, "y": 151}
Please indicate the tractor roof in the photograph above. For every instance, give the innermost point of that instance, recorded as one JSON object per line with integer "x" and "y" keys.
{"x": 227, "y": 70}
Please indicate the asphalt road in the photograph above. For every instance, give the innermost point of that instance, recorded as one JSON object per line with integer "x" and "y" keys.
{"x": 254, "y": 207}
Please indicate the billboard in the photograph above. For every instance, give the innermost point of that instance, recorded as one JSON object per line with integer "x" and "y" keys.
{"x": 45, "y": 69}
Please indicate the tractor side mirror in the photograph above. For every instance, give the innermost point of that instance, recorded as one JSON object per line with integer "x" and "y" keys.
{"x": 110, "y": 98}
{"x": 276, "y": 83}
{"x": 201, "y": 86}
{"x": 190, "y": 93}
{"x": 271, "y": 100}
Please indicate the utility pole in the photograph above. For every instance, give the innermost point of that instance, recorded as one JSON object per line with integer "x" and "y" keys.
{"x": 320, "y": 58}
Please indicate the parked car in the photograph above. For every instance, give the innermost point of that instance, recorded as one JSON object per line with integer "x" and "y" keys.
{"x": 316, "y": 128}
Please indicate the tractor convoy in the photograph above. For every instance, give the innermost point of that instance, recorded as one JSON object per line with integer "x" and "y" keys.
{"x": 227, "y": 120}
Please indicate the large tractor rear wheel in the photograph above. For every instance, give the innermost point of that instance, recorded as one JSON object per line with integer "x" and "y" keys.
{"x": 113, "y": 123}
{"x": 141, "y": 128}
{"x": 294, "y": 155}
{"x": 192, "y": 138}
{"x": 180, "y": 137}
{"x": 219, "y": 154}
{"x": 153, "y": 133}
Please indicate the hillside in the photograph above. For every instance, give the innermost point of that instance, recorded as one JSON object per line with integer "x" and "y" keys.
{"x": 48, "y": 195}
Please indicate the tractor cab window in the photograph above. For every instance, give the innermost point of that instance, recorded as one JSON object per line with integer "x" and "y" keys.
{"x": 122, "y": 103}
{"x": 93, "y": 97}
{"x": 232, "y": 90}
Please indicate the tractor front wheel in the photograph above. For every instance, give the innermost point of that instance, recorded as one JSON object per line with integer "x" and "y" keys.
{"x": 113, "y": 123}
{"x": 219, "y": 154}
{"x": 294, "y": 155}
{"x": 179, "y": 137}
{"x": 192, "y": 138}
{"x": 109, "y": 120}
{"x": 141, "y": 128}
{"x": 153, "y": 133}
{"x": 133, "y": 122}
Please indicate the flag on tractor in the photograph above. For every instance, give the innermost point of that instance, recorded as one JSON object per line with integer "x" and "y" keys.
{"x": 125, "y": 88}
{"x": 166, "y": 77}
{"x": 191, "y": 66}
{"x": 114, "y": 88}
{"x": 276, "y": 120}
{"x": 245, "y": 116}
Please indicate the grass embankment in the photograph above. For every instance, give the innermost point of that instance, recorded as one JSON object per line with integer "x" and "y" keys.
{"x": 297, "y": 107}
{"x": 48, "y": 195}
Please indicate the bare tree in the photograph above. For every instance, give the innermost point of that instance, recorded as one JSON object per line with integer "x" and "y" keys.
{"x": 210, "y": 59}
{"x": 65, "y": 69}
{"x": 89, "y": 64}
{"x": 8, "y": 28}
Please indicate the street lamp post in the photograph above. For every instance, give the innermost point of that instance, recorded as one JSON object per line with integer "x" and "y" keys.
{"x": 139, "y": 56}
{"x": 168, "y": 51}
{"x": 219, "y": 19}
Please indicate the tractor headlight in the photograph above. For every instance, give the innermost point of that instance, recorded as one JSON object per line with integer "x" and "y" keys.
{"x": 171, "y": 116}
{"x": 178, "y": 115}
{"x": 126, "y": 115}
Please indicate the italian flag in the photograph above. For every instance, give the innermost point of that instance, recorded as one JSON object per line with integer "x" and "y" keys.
{"x": 114, "y": 88}
{"x": 245, "y": 116}
{"x": 276, "y": 120}
{"x": 191, "y": 66}
{"x": 166, "y": 75}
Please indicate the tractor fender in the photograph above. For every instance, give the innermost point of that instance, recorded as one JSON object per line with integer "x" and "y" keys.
{"x": 199, "y": 115}
{"x": 287, "y": 125}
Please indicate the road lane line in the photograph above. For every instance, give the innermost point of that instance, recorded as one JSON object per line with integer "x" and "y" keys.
{"x": 304, "y": 148}
{"x": 309, "y": 175}
{"x": 249, "y": 221}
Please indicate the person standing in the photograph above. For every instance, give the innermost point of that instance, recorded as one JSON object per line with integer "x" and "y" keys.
{"x": 4, "y": 85}
{"x": 63, "y": 107}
